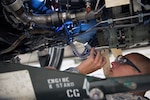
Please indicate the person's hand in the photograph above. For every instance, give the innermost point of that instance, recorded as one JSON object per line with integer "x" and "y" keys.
{"x": 92, "y": 63}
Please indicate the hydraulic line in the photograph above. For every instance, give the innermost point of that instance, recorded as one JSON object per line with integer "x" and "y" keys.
{"x": 14, "y": 45}
{"x": 113, "y": 20}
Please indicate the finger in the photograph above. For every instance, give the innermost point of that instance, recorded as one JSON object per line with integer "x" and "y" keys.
{"x": 101, "y": 60}
{"x": 92, "y": 52}
{"x": 98, "y": 56}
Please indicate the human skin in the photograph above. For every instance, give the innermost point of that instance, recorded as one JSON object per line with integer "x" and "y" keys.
{"x": 93, "y": 63}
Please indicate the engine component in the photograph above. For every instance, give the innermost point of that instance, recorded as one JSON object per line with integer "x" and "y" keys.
{"x": 57, "y": 23}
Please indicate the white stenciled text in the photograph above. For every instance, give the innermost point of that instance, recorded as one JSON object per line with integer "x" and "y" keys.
{"x": 63, "y": 82}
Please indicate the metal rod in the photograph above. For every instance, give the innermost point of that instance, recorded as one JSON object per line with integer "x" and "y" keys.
{"x": 123, "y": 84}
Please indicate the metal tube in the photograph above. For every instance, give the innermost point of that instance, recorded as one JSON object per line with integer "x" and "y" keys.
{"x": 123, "y": 84}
